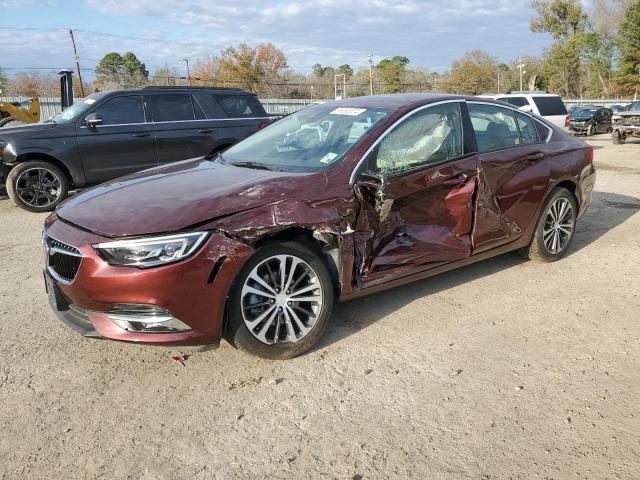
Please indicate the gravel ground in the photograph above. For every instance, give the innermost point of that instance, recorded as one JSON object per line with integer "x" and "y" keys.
{"x": 505, "y": 369}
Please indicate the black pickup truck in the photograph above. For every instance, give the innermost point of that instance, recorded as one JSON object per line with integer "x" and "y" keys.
{"x": 111, "y": 134}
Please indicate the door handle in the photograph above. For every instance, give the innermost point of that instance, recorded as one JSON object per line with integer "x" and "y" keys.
{"x": 205, "y": 130}
{"x": 457, "y": 180}
{"x": 140, "y": 135}
{"x": 534, "y": 157}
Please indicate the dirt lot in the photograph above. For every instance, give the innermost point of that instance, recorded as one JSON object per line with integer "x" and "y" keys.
{"x": 505, "y": 369}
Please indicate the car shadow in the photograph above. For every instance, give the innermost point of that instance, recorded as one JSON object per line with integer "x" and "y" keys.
{"x": 607, "y": 211}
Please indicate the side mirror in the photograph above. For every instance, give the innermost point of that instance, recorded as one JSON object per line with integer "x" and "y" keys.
{"x": 526, "y": 108}
{"x": 93, "y": 120}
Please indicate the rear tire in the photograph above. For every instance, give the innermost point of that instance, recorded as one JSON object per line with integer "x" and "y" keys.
{"x": 555, "y": 229}
{"x": 280, "y": 326}
{"x": 37, "y": 186}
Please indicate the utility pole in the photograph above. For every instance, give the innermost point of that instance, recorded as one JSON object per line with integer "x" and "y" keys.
{"x": 498, "y": 79}
{"x": 522, "y": 70}
{"x": 344, "y": 85}
{"x": 370, "y": 74}
{"x": 75, "y": 54}
{"x": 186, "y": 60}
{"x": 166, "y": 67}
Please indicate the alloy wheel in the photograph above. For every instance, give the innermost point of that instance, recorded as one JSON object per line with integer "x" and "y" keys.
{"x": 38, "y": 187}
{"x": 281, "y": 299}
{"x": 559, "y": 225}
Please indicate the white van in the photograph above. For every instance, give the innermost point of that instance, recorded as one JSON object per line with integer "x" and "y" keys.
{"x": 549, "y": 106}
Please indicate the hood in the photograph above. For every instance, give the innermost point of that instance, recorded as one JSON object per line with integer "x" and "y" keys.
{"x": 174, "y": 197}
{"x": 26, "y": 129}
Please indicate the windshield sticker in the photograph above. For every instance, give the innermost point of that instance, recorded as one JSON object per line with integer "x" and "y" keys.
{"x": 352, "y": 112}
{"x": 90, "y": 101}
{"x": 328, "y": 158}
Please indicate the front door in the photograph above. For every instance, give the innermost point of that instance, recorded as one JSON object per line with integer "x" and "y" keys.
{"x": 415, "y": 197}
{"x": 513, "y": 173}
{"x": 122, "y": 144}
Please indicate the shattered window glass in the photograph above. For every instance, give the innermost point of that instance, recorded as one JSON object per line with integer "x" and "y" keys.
{"x": 432, "y": 135}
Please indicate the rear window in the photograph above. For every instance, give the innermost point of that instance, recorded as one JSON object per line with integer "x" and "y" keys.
{"x": 543, "y": 130}
{"x": 550, "y": 106}
{"x": 239, "y": 106}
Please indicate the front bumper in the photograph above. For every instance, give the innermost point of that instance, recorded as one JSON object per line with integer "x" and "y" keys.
{"x": 185, "y": 289}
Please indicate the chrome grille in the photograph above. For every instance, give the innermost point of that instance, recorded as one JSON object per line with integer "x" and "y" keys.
{"x": 63, "y": 261}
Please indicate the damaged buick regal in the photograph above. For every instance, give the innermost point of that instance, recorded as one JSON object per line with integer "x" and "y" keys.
{"x": 334, "y": 202}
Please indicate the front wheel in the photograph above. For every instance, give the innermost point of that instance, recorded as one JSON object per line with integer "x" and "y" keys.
{"x": 281, "y": 302}
{"x": 555, "y": 228}
{"x": 37, "y": 186}
{"x": 617, "y": 138}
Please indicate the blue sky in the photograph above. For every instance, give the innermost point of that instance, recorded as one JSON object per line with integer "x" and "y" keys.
{"x": 431, "y": 33}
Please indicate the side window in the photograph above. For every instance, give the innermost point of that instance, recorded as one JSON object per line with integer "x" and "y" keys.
{"x": 197, "y": 110}
{"x": 543, "y": 131}
{"x": 239, "y": 106}
{"x": 528, "y": 132}
{"x": 515, "y": 101}
{"x": 171, "y": 108}
{"x": 495, "y": 127}
{"x": 210, "y": 105}
{"x": 431, "y": 135}
{"x": 121, "y": 110}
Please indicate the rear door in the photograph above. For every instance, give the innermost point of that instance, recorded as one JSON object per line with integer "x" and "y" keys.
{"x": 513, "y": 173}
{"x": 122, "y": 144}
{"x": 415, "y": 195}
{"x": 180, "y": 127}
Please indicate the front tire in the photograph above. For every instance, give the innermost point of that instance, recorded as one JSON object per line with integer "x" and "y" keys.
{"x": 37, "y": 186}
{"x": 617, "y": 138}
{"x": 556, "y": 228}
{"x": 281, "y": 302}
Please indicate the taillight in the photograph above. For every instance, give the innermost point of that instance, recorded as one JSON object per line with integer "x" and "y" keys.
{"x": 590, "y": 154}
{"x": 263, "y": 125}
{"x": 566, "y": 121}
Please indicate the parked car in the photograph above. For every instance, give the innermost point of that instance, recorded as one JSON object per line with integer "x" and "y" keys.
{"x": 626, "y": 124}
{"x": 257, "y": 244}
{"x": 590, "y": 120}
{"x": 110, "y": 134}
{"x": 546, "y": 105}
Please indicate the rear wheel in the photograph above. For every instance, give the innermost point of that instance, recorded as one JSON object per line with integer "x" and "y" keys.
{"x": 281, "y": 302}
{"x": 37, "y": 186}
{"x": 555, "y": 228}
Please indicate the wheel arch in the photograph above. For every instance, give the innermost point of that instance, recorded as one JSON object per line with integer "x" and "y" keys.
{"x": 43, "y": 157}
{"x": 325, "y": 245}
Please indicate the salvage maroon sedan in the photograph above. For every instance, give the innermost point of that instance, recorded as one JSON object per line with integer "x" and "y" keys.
{"x": 334, "y": 202}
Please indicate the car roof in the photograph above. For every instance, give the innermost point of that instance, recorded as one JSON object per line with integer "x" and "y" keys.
{"x": 182, "y": 89}
{"x": 518, "y": 94}
{"x": 397, "y": 101}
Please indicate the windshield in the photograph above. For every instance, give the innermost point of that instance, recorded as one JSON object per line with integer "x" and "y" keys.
{"x": 583, "y": 112}
{"x": 75, "y": 110}
{"x": 313, "y": 139}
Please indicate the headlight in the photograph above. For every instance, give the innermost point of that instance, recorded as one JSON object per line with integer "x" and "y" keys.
{"x": 8, "y": 151}
{"x": 151, "y": 252}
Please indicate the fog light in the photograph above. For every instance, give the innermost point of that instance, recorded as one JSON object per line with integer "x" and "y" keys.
{"x": 145, "y": 318}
